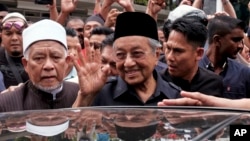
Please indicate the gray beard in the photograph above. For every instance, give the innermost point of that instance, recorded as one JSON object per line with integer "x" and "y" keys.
{"x": 48, "y": 89}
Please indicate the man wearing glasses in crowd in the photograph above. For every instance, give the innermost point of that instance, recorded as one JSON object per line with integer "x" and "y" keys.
{"x": 97, "y": 35}
{"x": 12, "y": 51}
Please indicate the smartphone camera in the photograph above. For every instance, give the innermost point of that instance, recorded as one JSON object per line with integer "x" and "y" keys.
{"x": 45, "y": 2}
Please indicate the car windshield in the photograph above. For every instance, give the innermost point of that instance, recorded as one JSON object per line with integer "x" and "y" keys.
{"x": 122, "y": 124}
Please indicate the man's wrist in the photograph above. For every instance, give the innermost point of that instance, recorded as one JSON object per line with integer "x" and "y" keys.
{"x": 81, "y": 94}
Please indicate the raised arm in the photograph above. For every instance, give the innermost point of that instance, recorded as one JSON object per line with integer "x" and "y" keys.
{"x": 228, "y": 8}
{"x": 248, "y": 6}
{"x": 67, "y": 6}
{"x": 111, "y": 18}
{"x": 198, "y": 4}
{"x": 154, "y": 7}
{"x": 98, "y": 6}
{"x": 106, "y": 6}
{"x": 53, "y": 11}
{"x": 186, "y": 2}
{"x": 127, "y": 5}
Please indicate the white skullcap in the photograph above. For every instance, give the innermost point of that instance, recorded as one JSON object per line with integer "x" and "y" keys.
{"x": 14, "y": 15}
{"x": 44, "y": 30}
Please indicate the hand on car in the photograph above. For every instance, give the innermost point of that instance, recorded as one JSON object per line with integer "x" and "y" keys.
{"x": 190, "y": 99}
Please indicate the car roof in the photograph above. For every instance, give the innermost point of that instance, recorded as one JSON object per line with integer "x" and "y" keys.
{"x": 126, "y": 122}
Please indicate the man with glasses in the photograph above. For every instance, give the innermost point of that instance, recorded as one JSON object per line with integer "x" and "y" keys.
{"x": 97, "y": 35}
{"x": 11, "y": 54}
{"x": 138, "y": 83}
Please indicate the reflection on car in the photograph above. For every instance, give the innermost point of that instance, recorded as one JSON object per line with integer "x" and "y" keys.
{"x": 121, "y": 124}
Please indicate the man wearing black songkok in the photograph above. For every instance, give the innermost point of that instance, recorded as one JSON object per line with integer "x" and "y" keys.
{"x": 138, "y": 83}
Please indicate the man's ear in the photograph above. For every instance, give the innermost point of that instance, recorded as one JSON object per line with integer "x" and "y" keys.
{"x": 68, "y": 59}
{"x": 216, "y": 40}
{"x": 24, "y": 62}
{"x": 200, "y": 52}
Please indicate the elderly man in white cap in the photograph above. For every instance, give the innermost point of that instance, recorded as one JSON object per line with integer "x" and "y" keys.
{"x": 45, "y": 58}
{"x": 12, "y": 51}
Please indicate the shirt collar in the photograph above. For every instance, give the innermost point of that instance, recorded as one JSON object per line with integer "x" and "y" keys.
{"x": 210, "y": 65}
{"x": 72, "y": 74}
{"x": 161, "y": 87}
{"x": 55, "y": 91}
{"x": 45, "y": 93}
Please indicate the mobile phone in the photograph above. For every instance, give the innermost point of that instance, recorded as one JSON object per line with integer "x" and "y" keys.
{"x": 44, "y": 2}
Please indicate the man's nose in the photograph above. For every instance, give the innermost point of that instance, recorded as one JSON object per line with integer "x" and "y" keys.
{"x": 48, "y": 64}
{"x": 14, "y": 36}
{"x": 128, "y": 61}
{"x": 169, "y": 56}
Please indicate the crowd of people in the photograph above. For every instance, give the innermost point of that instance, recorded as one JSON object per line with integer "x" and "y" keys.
{"x": 124, "y": 58}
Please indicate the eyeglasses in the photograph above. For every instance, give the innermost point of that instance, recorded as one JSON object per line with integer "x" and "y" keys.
{"x": 17, "y": 24}
{"x": 79, "y": 29}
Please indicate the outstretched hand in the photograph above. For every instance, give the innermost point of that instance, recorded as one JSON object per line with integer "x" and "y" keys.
{"x": 52, "y": 6}
{"x": 68, "y": 6}
{"x": 91, "y": 77}
{"x": 126, "y": 4}
{"x": 156, "y": 6}
{"x": 191, "y": 99}
{"x": 111, "y": 18}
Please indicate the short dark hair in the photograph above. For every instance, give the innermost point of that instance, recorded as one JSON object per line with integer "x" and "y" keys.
{"x": 108, "y": 41}
{"x": 166, "y": 28}
{"x": 101, "y": 31}
{"x": 73, "y": 19}
{"x": 223, "y": 25}
{"x": 194, "y": 31}
{"x": 70, "y": 32}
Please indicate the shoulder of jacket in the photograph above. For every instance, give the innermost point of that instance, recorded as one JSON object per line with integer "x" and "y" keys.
{"x": 172, "y": 85}
{"x": 112, "y": 79}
